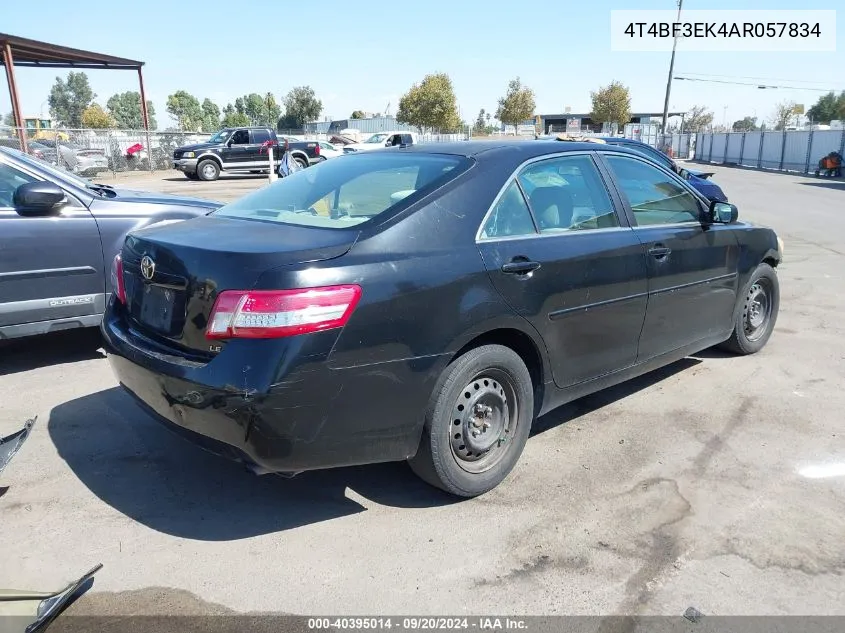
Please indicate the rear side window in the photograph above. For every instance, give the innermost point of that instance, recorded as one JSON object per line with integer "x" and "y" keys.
{"x": 510, "y": 217}
{"x": 260, "y": 136}
{"x": 345, "y": 193}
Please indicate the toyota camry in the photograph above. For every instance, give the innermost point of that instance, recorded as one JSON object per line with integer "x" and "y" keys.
{"x": 428, "y": 303}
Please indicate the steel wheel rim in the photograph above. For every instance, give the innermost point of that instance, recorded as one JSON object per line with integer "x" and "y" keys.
{"x": 757, "y": 310}
{"x": 208, "y": 171}
{"x": 485, "y": 416}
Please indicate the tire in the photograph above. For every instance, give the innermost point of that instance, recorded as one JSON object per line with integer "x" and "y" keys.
{"x": 301, "y": 162}
{"x": 756, "y": 313}
{"x": 208, "y": 170}
{"x": 449, "y": 456}
{"x": 191, "y": 175}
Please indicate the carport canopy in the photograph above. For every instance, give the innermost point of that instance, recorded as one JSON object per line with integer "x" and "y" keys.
{"x": 19, "y": 51}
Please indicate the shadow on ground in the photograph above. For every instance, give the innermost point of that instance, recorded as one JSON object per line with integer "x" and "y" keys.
{"x": 827, "y": 184}
{"x": 26, "y": 354}
{"x": 141, "y": 469}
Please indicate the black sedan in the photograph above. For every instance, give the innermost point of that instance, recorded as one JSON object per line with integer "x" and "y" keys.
{"x": 428, "y": 303}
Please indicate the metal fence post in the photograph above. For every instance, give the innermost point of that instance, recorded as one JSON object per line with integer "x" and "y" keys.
{"x": 782, "y": 151}
{"x": 842, "y": 144}
{"x": 809, "y": 149}
{"x": 710, "y": 154}
{"x": 760, "y": 150}
{"x": 725, "y": 153}
{"x": 741, "y": 148}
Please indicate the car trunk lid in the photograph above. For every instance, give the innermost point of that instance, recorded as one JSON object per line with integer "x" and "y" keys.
{"x": 173, "y": 273}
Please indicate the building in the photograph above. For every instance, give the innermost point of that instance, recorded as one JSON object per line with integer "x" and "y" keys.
{"x": 572, "y": 122}
{"x": 366, "y": 126}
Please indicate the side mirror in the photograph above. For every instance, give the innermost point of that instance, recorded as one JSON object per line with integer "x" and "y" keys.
{"x": 683, "y": 173}
{"x": 723, "y": 212}
{"x": 38, "y": 198}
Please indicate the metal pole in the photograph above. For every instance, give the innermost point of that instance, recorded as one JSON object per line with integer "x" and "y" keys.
{"x": 671, "y": 71}
{"x": 9, "y": 62}
{"x": 146, "y": 117}
{"x": 272, "y": 175}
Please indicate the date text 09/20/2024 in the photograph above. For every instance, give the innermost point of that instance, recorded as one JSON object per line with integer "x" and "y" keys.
{"x": 418, "y": 623}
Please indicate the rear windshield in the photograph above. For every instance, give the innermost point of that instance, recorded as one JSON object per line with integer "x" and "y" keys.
{"x": 346, "y": 191}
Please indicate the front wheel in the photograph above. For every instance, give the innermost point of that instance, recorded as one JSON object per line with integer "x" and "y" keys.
{"x": 208, "y": 170}
{"x": 756, "y": 313}
{"x": 477, "y": 422}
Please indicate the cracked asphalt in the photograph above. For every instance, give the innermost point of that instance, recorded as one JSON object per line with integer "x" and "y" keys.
{"x": 716, "y": 482}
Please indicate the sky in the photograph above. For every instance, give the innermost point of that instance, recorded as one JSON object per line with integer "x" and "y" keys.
{"x": 365, "y": 55}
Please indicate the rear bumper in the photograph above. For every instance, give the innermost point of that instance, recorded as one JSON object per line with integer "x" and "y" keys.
{"x": 312, "y": 417}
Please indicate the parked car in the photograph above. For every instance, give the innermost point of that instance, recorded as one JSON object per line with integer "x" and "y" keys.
{"x": 698, "y": 179}
{"x": 382, "y": 140}
{"x": 75, "y": 158}
{"x": 33, "y": 147}
{"x": 239, "y": 150}
{"x": 327, "y": 150}
{"x": 419, "y": 304}
{"x": 58, "y": 236}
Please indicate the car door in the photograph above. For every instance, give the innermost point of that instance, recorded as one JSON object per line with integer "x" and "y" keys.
{"x": 236, "y": 151}
{"x": 256, "y": 154}
{"x": 51, "y": 266}
{"x": 560, "y": 251}
{"x": 692, "y": 265}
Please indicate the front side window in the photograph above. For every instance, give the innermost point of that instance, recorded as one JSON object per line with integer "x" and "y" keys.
{"x": 377, "y": 138}
{"x": 654, "y": 196}
{"x": 220, "y": 136}
{"x": 11, "y": 179}
{"x": 568, "y": 194}
{"x": 344, "y": 193}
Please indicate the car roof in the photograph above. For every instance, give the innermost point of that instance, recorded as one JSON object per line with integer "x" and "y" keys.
{"x": 518, "y": 150}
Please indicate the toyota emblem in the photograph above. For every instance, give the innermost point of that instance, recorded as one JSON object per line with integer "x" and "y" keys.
{"x": 148, "y": 267}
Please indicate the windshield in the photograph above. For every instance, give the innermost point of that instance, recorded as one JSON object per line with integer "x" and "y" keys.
{"x": 344, "y": 193}
{"x": 220, "y": 136}
{"x": 61, "y": 174}
{"x": 377, "y": 138}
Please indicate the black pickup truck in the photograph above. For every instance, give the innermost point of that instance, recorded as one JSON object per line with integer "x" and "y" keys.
{"x": 239, "y": 150}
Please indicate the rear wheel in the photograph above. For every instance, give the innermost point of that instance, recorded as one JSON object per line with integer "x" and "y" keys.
{"x": 208, "y": 170}
{"x": 757, "y": 312}
{"x": 301, "y": 162}
{"x": 477, "y": 423}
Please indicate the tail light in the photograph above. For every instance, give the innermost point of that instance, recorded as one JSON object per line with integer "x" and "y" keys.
{"x": 317, "y": 149}
{"x": 278, "y": 313}
{"x": 117, "y": 279}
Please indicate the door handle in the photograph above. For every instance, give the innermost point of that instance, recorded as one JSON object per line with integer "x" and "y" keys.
{"x": 658, "y": 251}
{"x": 520, "y": 266}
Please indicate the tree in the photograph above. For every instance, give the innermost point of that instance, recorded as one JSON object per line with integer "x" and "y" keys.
{"x": 185, "y": 108}
{"x": 233, "y": 118}
{"x": 95, "y": 117}
{"x": 517, "y": 105}
{"x": 828, "y": 108}
{"x": 358, "y": 114}
{"x": 301, "y": 106}
{"x": 430, "y": 104}
{"x": 611, "y": 104}
{"x": 68, "y": 99}
{"x": 480, "y": 126}
{"x": 9, "y": 119}
{"x": 784, "y": 111}
{"x": 210, "y": 115}
{"x": 746, "y": 124}
{"x": 125, "y": 107}
{"x": 698, "y": 119}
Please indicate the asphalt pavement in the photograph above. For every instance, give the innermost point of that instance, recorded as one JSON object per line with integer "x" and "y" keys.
{"x": 715, "y": 483}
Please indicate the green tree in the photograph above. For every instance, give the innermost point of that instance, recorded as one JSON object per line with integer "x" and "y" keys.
{"x": 698, "y": 119}
{"x": 68, "y": 99}
{"x": 480, "y": 126}
{"x": 828, "y": 108}
{"x": 125, "y": 107}
{"x": 9, "y": 119}
{"x": 210, "y": 116}
{"x": 784, "y": 111}
{"x": 746, "y": 124}
{"x": 301, "y": 106}
{"x": 233, "y": 118}
{"x": 95, "y": 117}
{"x": 517, "y": 105}
{"x": 430, "y": 105}
{"x": 611, "y": 104}
{"x": 357, "y": 114}
{"x": 186, "y": 109}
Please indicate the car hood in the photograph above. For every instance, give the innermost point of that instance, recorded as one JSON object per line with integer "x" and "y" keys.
{"x": 196, "y": 147}
{"x": 148, "y": 197}
{"x": 364, "y": 147}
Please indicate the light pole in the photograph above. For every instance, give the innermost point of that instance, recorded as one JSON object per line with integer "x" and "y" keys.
{"x": 671, "y": 70}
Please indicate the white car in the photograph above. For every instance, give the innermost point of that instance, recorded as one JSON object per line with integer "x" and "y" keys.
{"x": 382, "y": 139}
{"x": 327, "y": 150}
